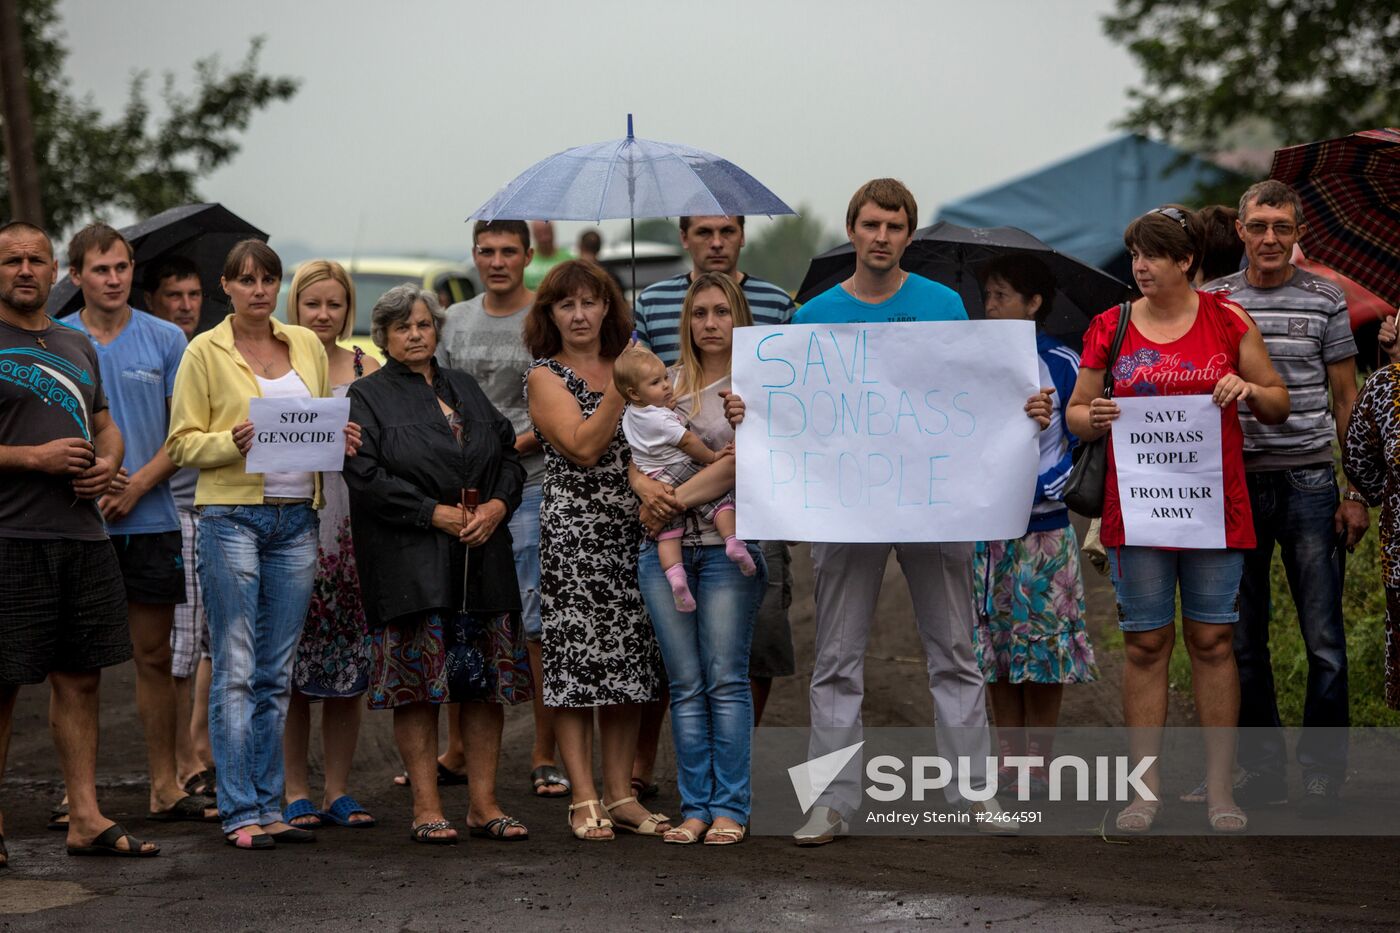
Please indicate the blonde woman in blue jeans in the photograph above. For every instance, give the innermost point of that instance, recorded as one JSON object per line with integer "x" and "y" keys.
{"x": 706, "y": 651}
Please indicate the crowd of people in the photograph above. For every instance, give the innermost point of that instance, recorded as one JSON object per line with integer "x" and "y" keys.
{"x": 537, "y": 508}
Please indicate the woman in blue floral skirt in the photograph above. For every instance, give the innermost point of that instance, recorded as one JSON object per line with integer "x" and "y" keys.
{"x": 1030, "y": 638}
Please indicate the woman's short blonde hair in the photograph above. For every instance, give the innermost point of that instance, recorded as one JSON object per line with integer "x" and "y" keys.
{"x": 318, "y": 270}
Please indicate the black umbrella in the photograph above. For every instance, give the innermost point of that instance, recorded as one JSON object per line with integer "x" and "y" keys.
{"x": 954, "y": 255}
{"x": 203, "y": 233}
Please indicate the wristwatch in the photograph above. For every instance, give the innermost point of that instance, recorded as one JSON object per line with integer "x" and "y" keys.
{"x": 1351, "y": 495}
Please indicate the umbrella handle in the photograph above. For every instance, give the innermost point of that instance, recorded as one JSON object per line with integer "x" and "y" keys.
{"x": 470, "y": 500}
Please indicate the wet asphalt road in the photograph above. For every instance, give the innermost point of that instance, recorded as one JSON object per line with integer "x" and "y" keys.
{"x": 378, "y": 879}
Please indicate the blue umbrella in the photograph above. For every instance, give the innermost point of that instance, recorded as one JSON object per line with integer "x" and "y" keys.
{"x": 630, "y": 178}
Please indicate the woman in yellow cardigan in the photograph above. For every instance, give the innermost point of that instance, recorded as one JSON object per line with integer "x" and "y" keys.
{"x": 257, "y": 536}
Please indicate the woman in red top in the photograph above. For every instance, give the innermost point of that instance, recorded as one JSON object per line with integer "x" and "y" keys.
{"x": 1179, "y": 342}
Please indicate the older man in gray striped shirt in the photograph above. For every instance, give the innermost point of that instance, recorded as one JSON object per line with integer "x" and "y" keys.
{"x": 1293, "y": 494}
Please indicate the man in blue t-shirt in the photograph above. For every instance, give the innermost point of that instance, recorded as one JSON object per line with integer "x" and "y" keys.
{"x": 880, "y": 222}
{"x": 139, "y": 355}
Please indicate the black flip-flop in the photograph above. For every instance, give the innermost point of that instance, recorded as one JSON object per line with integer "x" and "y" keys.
{"x": 106, "y": 844}
{"x": 188, "y": 809}
{"x": 545, "y": 775}
{"x": 202, "y": 784}
{"x": 58, "y": 817}
{"x": 495, "y": 830}
{"x": 423, "y": 833}
{"x": 644, "y": 791}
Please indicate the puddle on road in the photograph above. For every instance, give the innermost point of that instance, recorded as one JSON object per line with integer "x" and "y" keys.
{"x": 25, "y": 896}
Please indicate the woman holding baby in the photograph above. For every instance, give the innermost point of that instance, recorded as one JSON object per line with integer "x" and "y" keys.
{"x": 706, "y": 648}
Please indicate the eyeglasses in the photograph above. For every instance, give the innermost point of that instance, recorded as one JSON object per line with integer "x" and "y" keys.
{"x": 1281, "y": 230}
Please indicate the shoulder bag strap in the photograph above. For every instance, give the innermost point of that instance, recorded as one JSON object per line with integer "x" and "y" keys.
{"x": 1125, "y": 313}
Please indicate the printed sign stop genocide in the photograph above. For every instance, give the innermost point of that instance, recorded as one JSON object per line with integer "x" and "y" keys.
{"x": 297, "y": 434}
{"x": 1167, "y": 454}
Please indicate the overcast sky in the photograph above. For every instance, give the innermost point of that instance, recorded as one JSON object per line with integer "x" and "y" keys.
{"x": 412, "y": 114}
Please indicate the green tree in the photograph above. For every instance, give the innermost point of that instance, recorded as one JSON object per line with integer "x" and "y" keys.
{"x": 90, "y": 164}
{"x": 1300, "y": 69}
{"x": 782, "y": 251}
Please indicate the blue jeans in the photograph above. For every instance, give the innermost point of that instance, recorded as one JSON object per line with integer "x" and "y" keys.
{"x": 257, "y": 564}
{"x": 1294, "y": 509}
{"x": 525, "y": 539}
{"x": 707, "y": 660}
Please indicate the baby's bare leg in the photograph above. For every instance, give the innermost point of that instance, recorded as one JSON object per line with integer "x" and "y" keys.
{"x": 668, "y": 551}
{"x": 725, "y": 524}
{"x": 709, "y": 484}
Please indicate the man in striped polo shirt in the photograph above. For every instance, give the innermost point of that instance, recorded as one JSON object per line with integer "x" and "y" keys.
{"x": 714, "y": 244}
{"x": 1293, "y": 494}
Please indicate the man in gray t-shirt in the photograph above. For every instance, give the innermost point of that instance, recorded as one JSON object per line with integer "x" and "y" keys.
{"x": 1294, "y": 499}
{"x": 482, "y": 337}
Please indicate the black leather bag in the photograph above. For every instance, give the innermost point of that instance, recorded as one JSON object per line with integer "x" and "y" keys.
{"x": 1084, "y": 487}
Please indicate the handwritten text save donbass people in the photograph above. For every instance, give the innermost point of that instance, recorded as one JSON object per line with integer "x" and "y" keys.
{"x": 886, "y": 432}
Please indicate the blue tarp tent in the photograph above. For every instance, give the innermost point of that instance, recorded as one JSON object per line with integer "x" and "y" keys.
{"x": 1081, "y": 204}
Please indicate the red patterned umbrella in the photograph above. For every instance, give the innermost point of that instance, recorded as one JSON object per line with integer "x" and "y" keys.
{"x": 1351, "y": 202}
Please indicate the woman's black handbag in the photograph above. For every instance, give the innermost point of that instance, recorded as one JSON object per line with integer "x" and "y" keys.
{"x": 1084, "y": 487}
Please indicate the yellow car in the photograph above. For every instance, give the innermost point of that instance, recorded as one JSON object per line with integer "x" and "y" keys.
{"x": 375, "y": 275}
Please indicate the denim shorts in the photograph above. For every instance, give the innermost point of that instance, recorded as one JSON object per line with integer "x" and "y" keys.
{"x": 1146, "y": 580}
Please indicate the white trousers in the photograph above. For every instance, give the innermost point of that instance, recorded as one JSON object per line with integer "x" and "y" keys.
{"x": 939, "y": 576}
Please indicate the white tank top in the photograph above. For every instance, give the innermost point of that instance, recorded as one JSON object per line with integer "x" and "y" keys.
{"x": 286, "y": 485}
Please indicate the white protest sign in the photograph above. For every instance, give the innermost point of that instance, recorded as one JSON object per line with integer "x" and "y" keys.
{"x": 886, "y": 432}
{"x": 296, "y": 435}
{"x": 1171, "y": 487}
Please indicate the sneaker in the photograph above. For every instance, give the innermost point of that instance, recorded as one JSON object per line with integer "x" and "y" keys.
{"x": 1197, "y": 794}
{"x": 1258, "y": 789}
{"x": 1320, "y": 799}
{"x": 988, "y": 817}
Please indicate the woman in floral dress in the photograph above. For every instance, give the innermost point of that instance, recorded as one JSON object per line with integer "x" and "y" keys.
{"x": 1030, "y": 638}
{"x": 332, "y": 659}
{"x": 598, "y": 648}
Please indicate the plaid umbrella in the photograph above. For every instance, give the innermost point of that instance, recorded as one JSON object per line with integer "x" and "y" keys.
{"x": 1351, "y": 202}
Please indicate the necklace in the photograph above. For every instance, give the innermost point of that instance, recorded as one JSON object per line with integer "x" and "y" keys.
{"x": 38, "y": 336}
{"x": 856, "y": 295}
{"x": 257, "y": 359}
